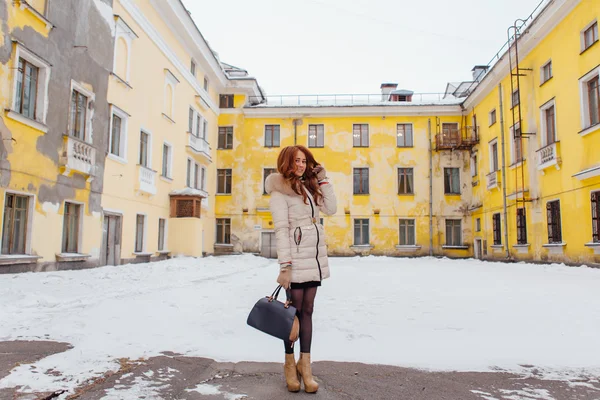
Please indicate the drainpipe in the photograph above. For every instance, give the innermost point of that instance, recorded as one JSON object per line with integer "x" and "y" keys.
{"x": 430, "y": 189}
{"x": 295, "y": 122}
{"x": 503, "y": 173}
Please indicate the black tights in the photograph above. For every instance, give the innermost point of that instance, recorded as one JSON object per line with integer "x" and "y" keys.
{"x": 304, "y": 301}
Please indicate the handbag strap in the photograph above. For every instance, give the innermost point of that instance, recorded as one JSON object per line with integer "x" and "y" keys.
{"x": 288, "y": 294}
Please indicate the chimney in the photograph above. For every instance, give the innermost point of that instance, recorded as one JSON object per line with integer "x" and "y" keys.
{"x": 386, "y": 89}
{"x": 479, "y": 72}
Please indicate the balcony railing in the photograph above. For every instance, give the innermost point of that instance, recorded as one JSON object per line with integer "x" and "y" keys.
{"x": 493, "y": 180}
{"x": 199, "y": 145}
{"x": 548, "y": 156}
{"x": 451, "y": 139}
{"x": 78, "y": 156}
{"x": 147, "y": 180}
{"x": 296, "y": 100}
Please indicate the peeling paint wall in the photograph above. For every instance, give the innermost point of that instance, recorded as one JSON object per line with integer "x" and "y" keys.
{"x": 75, "y": 42}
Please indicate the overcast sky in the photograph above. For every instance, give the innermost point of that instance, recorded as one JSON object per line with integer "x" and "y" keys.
{"x": 342, "y": 46}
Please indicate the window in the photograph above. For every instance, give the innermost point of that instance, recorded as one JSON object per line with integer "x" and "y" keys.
{"x": 361, "y": 180}
{"x": 223, "y": 231}
{"x": 198, "y": 125}
{"x": 595, "y": 217}
{"x": 554, "y": 225}
{"x": 492, "y": 117}
{"x": 118, "y": 133}
{"x": 115, "y": 138}
{"x": 197, "y": 181}
{"x": 171, "y": 82}
{"x": 453, "y": 232}
{"x": 140, "y": 222}
{"x": 225, "y": 137}
{"x": 267, "y": 172}
{"x": 30, "y": 90}
{"x": 589, "y": 36}
{"x": 204, "y": 129}
{"x": 161, "y": 234}
{"x": 189, "y": 171}
{"x": 202, "y": 178}
{"x": 224, "y": 181}
{"x": 405, "y": 181}
{"x": 548, "y": 124}
{"x": 478, "y": 225}
{"x": 361, "y": 232}
{"x": 360, "y": 135}
{"x": 271, "y": 135}
{"x": 70, "y": 240}
{"x": 521, "y": 226}
{"x": 407, "y": 232}
{"x": 78, "y": 120}
{"x": 191, "y": 120}
{"x": 144, "y": 149}
{"x": 589, "y": 88}
{"x": 27, "y": 89}
{"x": 166, "y": 161}
{"x": 195, "y": 175}
{"x": 193, "y": 67}
{"x": 404, "y": 135}
{"x": 497, "y": 229}
{"x": 206, "y": 83}
{"x": 515, "y": 98}
{"x": 316, "y": 135}
{"x": 517, "y": 144}
{"x": 546, "y": 72}
{"x": 494, "y": 155}
{"x": 474, "y": 166}
{"x": 451, "y": 180}
{"x": 14, "y": 228}
{"x": 226, "y": 101}
{"x": 124, "y": 37}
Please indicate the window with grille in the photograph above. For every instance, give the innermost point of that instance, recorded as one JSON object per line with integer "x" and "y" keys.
{"x": 554, "y": 223}
{"x": 186, "y": 206}
{"x": 224, "y": 181}
{"x": 361, "y": 232}
{"x": 139, "y": 233}
{"x": 407, "y": 232}
{"x": 404, "y": 135}
{"x": 14, "y": 227}
{"x": 225, "y": 137}
{"x": 27, "y": 89}
{"x": 451, "y": 180}
{"x": 453, "y": 232}
{"x": 521, "y": 226}
{"x": 316, "y": 135}
{"x": 361, "y": 180}
{"x": 595, "y": 198}
{"x": 226, "y": 101}
{"x": 223, "y": 231}
{"x": 272, "y": 135}
{"x": 161, "y": 233}
{"x": 267, "y": 172}
{"x": 360, "y": 135}
{"x": 405, "y": 181}
{"x": 79, "y": 103}
{"x": 497, "y": 229}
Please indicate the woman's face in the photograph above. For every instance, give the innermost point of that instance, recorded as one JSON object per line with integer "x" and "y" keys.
{"x": 300, "y": 162}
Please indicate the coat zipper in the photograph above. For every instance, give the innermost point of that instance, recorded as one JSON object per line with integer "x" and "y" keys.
{"x": 318, "y": 238}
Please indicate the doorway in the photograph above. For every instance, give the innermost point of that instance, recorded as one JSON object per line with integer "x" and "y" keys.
{"x": 268, "y": 245}
{"x": 111, "y": 237}
{"x": 478, "y": 249}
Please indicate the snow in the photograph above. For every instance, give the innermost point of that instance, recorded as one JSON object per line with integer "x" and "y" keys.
{"x": 214, "y": 390}
{"x": 427, "y": 313}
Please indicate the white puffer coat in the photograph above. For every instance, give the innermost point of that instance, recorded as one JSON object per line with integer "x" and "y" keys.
{"x": 299, "y": 235}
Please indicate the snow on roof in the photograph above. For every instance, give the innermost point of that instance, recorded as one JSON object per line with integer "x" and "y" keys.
{"x": 189, "y": 192}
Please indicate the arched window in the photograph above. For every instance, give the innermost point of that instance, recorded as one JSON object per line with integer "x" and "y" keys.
{"x": 122, "y": 59}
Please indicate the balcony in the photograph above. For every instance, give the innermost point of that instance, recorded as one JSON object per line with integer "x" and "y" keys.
{"x": 457, "y": 139}
{"x": 146, "y": 180}
{"x": 78, "y": 156}
{"x": 548, "y": 156}
{"x": 199, "y": 146}
{"x": 493, "y": 180}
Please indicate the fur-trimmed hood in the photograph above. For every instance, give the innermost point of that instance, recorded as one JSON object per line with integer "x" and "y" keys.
{"x": 277, "y": 183}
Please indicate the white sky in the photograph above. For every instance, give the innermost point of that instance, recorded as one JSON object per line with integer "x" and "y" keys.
{"x": 341, "y": 46}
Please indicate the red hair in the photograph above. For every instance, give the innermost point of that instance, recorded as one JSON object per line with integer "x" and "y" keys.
{"x": 286, "y": 166}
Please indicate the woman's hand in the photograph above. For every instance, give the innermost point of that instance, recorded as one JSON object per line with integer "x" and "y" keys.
{"x": 320, "y": 172}
{"x": 285, "y": 276}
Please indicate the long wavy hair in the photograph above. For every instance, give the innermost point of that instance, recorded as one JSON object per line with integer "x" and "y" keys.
{"x": 286, "y": 165}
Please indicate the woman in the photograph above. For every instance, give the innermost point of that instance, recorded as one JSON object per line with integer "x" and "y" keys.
{"x": 299, "y": 192}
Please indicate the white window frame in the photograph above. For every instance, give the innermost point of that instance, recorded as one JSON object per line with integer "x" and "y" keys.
{"x": 79, "y": 228}
{"x": 149, "y": 133}
{"x": 582, "y": 35}
{"x": 44, "y": 71}
{"x": 203, "y": 180}
{"x": 490, "y": 122}
{"x": 144, "y": 233}
{"x": 123, "y": 31}
{"x": 195, "y": 67}
{"x": 542, "y": 78}
{"x": 114, "y": 110}
{"x": 172, "y": 81}
{"x": 169, "y": 161}
{"x": 584, "y": 102}
{"x": 412, "y": 132}
{"x": 369, "y": 228}
{"x": 513, "y": 161}
{"x": 165, "y": 236}
{"x": 543, "y": 108}
{"x": 91, "y": 97}
{"x": 491, "y": 159}
{"x": 206, "y": 84}
{"x": 29, "y": 228}
{"x": 415, "y": 230}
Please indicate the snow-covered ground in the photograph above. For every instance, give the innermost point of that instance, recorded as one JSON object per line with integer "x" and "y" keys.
{"x": 426, "y": 313}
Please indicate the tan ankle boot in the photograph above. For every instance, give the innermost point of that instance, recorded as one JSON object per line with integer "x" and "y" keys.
{"x": 304, "y": 370}
{"x": 291, "y": 375}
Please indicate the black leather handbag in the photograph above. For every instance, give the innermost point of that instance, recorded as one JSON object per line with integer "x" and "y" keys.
{"x": 275, "y": 318}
